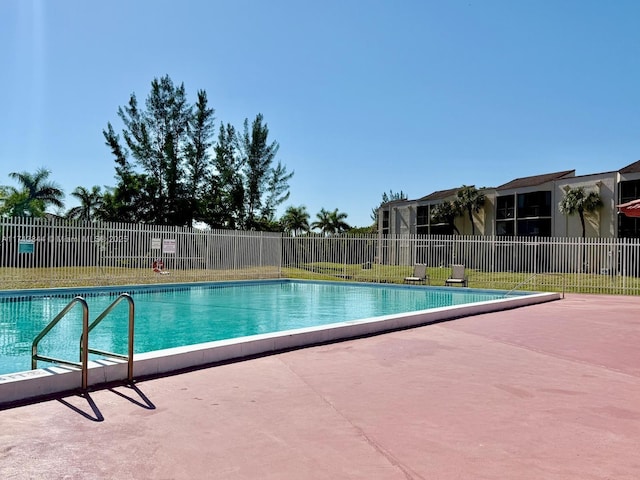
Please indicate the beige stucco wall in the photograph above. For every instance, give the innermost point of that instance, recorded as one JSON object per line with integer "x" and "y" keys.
{"x": 604, "y": 223}
{"x": 402, "y": 219}
{"x": 485, "y": 221}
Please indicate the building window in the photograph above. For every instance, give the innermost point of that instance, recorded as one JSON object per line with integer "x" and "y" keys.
{"x": 505, "y": 228}
{"x": 422, "y": 220}
{"x": 385, "y": 222}
{"x": 505, "y": 216}
{"x": 534, "y": 227}
{"x": 524, "y": 214}
{"x": 505, "y": 207}
{"x": 422, "y": 215}
{"x": 442, "y": 229}
{"x": 629, "y": 227}
{"x": 534, "y": 204}
{"x": 629, "y": 190}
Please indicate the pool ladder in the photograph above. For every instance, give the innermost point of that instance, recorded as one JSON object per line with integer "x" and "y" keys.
{"x": 84, "y": 338}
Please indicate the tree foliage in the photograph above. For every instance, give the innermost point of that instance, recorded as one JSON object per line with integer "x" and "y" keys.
{"x": 470, "y": 200}
{"x": 155, "y": 143}
{"x": 446, "y": 212}
{"x": 198, "y": 157}
{"x": 386, "y": 198}
{"x": 331, "y": 222}
{"x": 577, "y": 200}
{"x": 223, "y": 199}
{"x": 371, "y": 229}
{"x": 170, "y": 171}
{"x": 295, "y": 220}
{"x": 90, "y": 204}
{"x": 265, "y": 184}
{"x": 35, "y": 194}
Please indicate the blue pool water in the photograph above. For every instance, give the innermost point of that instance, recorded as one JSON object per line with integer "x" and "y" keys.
{"x": 178, "y": 316}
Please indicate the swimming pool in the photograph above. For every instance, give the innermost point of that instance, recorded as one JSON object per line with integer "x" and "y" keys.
{"x": 181, "y": 326}
{"x": 180, "y": 316}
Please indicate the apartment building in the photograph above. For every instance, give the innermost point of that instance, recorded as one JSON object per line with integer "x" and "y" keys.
{"x": 526, "y": 206}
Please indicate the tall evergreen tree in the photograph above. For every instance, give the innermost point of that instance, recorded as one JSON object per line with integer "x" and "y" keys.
{"x": 266, "y": 185}
{"x": 386, "y": 198}
{"x": 198, "y": 157}
{"x": 156, "y": 139}
{"x": 277, "y": 190}
{"x": 168, "y": 173}
{"x": 224, "y": 200}
{"x": 129, "y": 200}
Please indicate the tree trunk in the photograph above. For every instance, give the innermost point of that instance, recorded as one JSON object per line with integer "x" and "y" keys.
{"x": 584, "y": 252}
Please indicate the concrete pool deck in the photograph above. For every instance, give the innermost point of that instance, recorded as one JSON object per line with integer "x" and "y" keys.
{"x": 548, "y": 391}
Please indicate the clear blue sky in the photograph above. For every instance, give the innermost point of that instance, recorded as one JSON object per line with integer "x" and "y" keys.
{"x": 363, "y": 96}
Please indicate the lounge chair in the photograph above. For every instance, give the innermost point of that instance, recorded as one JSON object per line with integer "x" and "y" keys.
{"x": 419, "y": 275}
{"x": 457, "y": 276}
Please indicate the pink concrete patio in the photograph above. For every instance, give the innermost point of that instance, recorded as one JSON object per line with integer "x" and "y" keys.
{"x": 550, "y": 391}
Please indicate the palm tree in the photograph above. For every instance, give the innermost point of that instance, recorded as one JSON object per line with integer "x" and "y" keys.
{"x": 35, "y": 195}
{"x": 471, "y": 200}
{"x": 338, "y": 223}
{"x": 446, "y": 212}
{"x": 331, "y": 223}
{"x": 295, "y": 220}
{"x": 577, "y": 200}
{"x": 90, "y": 203}
{"x": 323, "y": 222}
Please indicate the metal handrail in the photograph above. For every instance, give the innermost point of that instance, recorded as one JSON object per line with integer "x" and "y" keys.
{"x": 535, "y": 275}
{"x": 83, "y": 351}
{"x": 84, "y": 347}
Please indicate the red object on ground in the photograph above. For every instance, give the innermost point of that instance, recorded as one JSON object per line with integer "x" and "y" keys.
{"x": 630, "y": 209}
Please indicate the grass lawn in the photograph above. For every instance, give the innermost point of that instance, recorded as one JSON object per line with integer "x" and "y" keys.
{"x": 24, "y": 278}
{"x": 545, "y": 282}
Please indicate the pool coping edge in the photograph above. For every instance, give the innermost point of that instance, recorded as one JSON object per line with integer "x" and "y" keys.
{"x": 34, "y": 384}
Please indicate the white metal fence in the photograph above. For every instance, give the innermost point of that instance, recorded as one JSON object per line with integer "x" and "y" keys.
{"x": 39, "y": 253}
{"x": 590, "y": 265}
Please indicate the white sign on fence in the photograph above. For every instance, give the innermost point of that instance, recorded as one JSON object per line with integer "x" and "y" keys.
{"x": 155, "y": 244}
{"x": 168, "y": 245}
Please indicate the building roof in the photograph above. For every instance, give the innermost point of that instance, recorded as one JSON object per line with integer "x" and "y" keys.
{"x": 440, "y": 194}
{"x": 535, "y": 180}
{"x": 394, "y": 202}
{"x": 631, "y": 168}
